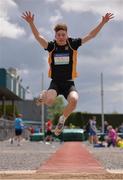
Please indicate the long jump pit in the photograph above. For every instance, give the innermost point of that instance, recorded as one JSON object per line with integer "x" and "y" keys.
{"x": 71, "y": 161}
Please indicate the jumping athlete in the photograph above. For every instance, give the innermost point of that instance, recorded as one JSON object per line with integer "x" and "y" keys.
{"x": 62, "y": 62}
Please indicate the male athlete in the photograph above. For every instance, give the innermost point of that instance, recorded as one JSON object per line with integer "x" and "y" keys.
{"x": 62, "y": 62}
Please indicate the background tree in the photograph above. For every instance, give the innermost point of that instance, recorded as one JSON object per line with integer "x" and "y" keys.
{"x": 75, "y": 119}
{"x": 56, "y": 109}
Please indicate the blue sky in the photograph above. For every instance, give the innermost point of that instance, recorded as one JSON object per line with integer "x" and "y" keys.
{"x": 104, "y": 53}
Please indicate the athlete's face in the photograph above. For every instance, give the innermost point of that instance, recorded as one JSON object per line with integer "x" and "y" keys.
{"x": 61, "y": 37}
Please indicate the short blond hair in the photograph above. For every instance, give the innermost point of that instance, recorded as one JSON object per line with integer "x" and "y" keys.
{"x": 109, "y": 127}
{"x": 60, "y": 26}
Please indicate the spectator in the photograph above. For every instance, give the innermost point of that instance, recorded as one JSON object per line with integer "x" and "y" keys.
{"x": 112, "y": 136}
{"x": 86, "y": 130}
{"x": 37, "y": 130}
{"x": 48, "y": 126}
{"x": 31, "y": 129}
{"x": 93, "y": 139}
{"x": 18, "y": 123}
{"x": 121, "y": 130}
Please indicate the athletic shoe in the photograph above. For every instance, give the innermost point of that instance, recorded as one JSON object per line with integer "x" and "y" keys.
{"x": 39, "y": 99}
{"x": 59, "y": 126}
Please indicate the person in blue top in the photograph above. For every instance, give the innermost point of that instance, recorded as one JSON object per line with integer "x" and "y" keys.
{"x": 62, "y": 61}
{"x": 18, "y": 124}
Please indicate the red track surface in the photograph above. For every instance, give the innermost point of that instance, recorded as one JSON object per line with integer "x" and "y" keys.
{"x": 72, "y": 157}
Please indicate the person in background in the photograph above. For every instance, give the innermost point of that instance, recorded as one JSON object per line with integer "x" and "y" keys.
{"x": 93, "y": 139}
{"x": 31, "y": 129}
{"x": 19, "y": 126}
{"x": 48, "y": 127}
{"x": 120, "y": 129}
{"x": 112, "y": 136}
{"x": 87, "y": 129}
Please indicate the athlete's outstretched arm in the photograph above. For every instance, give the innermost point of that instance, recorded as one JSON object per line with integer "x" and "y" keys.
{"x": 96, "y": 30}
{"x": 29, "y": 18}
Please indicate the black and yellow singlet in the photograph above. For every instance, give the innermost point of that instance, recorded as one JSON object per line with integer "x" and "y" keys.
{"x": 63, "y": 59}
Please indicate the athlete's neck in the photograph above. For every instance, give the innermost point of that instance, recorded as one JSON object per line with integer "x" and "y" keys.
{"x": 61, "y": 44}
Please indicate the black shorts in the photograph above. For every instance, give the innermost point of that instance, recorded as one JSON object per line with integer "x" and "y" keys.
{"x": 62, "y": 88}
{"x": 18, "y": 132}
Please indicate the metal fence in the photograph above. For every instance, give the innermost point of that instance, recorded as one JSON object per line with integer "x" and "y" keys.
{"x": 7, "y": 130}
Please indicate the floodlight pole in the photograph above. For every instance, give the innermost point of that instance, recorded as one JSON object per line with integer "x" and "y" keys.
{"x": 102, "y": 103}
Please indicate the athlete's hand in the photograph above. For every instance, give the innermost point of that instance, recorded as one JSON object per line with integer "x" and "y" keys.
{"x": 28, "y": 17}
{"x": 107, "y": 17}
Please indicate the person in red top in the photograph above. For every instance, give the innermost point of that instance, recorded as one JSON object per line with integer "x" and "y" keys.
{"x": 48, "y": 130}
{"x": 31, "y": 129}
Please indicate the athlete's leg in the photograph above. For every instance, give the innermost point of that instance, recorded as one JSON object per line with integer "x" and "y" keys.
{"x": 47, "y": 97}
{"x": 50, "y": 97}
{"x": 72, "y": 101}
{"x": 41, "y": 98}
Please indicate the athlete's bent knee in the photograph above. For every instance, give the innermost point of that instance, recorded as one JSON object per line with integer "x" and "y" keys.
{"x": 73, "y": 102}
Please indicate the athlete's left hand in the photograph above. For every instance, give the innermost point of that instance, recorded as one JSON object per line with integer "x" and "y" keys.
{"x": 107, "y": 17}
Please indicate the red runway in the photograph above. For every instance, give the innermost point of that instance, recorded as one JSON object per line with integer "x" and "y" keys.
{"x": 72, "y": 157}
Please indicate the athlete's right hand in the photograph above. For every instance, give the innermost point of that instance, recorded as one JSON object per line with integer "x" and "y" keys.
{"x": 28, "y": 17}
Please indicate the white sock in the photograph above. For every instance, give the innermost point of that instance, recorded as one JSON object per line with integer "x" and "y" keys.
{"x": 62, "y": 118}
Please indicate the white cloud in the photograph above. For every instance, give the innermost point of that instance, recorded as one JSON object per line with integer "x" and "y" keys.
{"x": 44, "y": 32}
{"x": 118, "y": 51}
{"x": 24, "y": 71}
{"x": 114, "y": 87}
{"x": 56, "y": 17}
{"x": 6, "y": 6}
{"x": 7, "y": 28}
{"x": 100, "y": 7}
{"x": 10, "y": 30}
{"x": 118, "y": 71}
